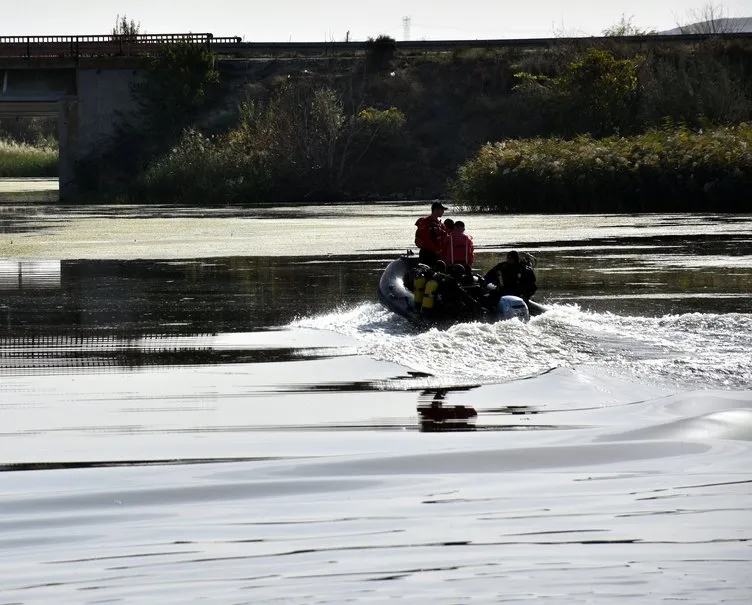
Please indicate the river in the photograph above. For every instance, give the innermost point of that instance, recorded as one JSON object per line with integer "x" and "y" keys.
{"x": 212, "y": 406}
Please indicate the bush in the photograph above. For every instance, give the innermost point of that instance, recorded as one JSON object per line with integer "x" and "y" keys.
{"x": 380, "y": 53}
{"x": 674, "y": 170}
{"x": 339, "y": 130}
{"x": 596, "y": 93}
{"x": 600, "y": 94}
{"x": 181, "y": 81}
{"x": 300, "y": 144}
{"x": 380, "y": 133}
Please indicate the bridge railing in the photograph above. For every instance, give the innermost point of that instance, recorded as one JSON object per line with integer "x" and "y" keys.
{"x": 102, "y": 45}
{"x": 147, "y": 44}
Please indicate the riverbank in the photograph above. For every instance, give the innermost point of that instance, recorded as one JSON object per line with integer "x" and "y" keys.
{"x": 28, "y": 190}
{"x": 399, "y": 128}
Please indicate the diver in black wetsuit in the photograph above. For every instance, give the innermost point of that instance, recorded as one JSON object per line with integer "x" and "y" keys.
{"x": 513, "y": 277}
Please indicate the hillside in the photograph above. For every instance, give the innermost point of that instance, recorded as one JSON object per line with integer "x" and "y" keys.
{"x": 716, "y": 26}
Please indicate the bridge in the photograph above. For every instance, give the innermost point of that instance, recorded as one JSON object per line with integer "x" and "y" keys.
{"x": 85, "y": 81}
{"x": 141, "y": 45}
{"x": 138, "y": 45}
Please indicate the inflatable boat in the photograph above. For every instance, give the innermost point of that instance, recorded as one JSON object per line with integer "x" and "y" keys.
{"x": 429, "y": 298}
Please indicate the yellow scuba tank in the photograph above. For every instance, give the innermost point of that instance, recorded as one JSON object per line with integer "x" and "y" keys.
{"x": 420, "y": 286}
{"x": 428, "y": 296}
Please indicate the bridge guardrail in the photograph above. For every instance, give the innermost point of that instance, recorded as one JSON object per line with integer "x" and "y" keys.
{"x": 146, "y": 44}
{"x": 102, "y": 45}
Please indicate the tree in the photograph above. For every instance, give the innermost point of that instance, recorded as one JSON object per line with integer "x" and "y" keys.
{"x": 710, "y": 19}
{"x": 124, "y": 28}
{"x": 600, "y": 89}
{"x": 181, "y": 80}
{"x": 625, "y": 27}
{"x": 380, "y": 53}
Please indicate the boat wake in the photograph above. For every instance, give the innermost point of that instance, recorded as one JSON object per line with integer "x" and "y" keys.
{"x": 622, "y": 461}
{"x": 688, "y": 351}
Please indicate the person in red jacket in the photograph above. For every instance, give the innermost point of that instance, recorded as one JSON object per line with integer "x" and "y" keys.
{"x": 430, "y": 235}
{"x": 458, "y": 247}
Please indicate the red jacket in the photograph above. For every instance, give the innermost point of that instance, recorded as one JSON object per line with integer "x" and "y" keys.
{"x": 458, "y": 250}
{"x": 430, "y": 233}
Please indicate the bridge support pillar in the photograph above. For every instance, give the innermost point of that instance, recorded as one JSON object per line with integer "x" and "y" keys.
{"x": 68, "y": 130}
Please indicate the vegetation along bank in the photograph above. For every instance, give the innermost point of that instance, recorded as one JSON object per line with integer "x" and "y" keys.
{"x": 28, "y": 148}
{"x": 575, "y": 127}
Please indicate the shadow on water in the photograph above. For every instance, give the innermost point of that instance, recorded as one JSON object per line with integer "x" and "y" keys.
{"x": 128, "y": 314}
{"x": 49, "y": 466}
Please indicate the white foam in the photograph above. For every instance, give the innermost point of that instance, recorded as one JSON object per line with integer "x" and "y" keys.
{"x": 687, "y": 351}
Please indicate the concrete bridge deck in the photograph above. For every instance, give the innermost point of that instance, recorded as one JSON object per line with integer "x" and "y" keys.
{"x": 35, "y": 107}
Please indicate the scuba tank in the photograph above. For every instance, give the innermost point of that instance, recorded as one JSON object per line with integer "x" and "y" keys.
{"x": 420, "y": 286}
{"x": 429, "y": 294}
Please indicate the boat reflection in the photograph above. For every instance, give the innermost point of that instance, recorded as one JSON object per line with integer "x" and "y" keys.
{"x": 435, "y": 416}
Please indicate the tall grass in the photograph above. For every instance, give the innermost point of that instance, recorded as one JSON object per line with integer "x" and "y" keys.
{"x": 663, "y": 170}
{"x": 21, "y": 160}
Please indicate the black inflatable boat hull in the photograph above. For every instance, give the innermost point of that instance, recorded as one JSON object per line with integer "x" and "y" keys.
{"x": 395, "y": 294}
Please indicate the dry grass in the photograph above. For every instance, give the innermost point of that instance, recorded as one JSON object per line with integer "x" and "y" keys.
{"x": 19, "y": 160}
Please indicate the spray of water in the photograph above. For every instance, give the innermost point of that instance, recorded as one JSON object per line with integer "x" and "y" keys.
{"x": 692, "y": 350}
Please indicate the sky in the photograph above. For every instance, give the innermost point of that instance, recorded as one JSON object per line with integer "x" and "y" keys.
{"x": 327, "y": 20}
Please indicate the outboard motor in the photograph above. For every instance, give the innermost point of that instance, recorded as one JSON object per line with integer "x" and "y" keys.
{"x": 510, "y": 307}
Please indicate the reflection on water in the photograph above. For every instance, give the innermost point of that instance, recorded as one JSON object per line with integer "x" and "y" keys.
{"x": 100, "y": 313}
{"x": 177, "y": 435}
{"x": 109, "y": 352}
{"x": 29, "y": 275}
{"x": 436, "y": 416}
{"x": 661, "y": 276}
{"x": 175, "y": 297}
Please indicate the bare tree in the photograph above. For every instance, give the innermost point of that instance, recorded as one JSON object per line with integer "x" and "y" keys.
{"x": 564, "y": 32}
{"x": 710, "y": 19}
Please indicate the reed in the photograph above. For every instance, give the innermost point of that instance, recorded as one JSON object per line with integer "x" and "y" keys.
{"x": 673, "y": 169}
{"x": 21, "y": 160}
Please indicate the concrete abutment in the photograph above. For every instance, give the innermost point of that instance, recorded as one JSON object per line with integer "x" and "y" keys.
{"x": 90, "y": 102}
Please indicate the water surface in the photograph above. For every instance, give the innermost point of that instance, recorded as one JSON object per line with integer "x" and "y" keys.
{"x": 214, "y": 407}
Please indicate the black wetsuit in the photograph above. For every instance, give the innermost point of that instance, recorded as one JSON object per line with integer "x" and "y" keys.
{"x": 428, "y": 257}
{"x": 517, "y": 279}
